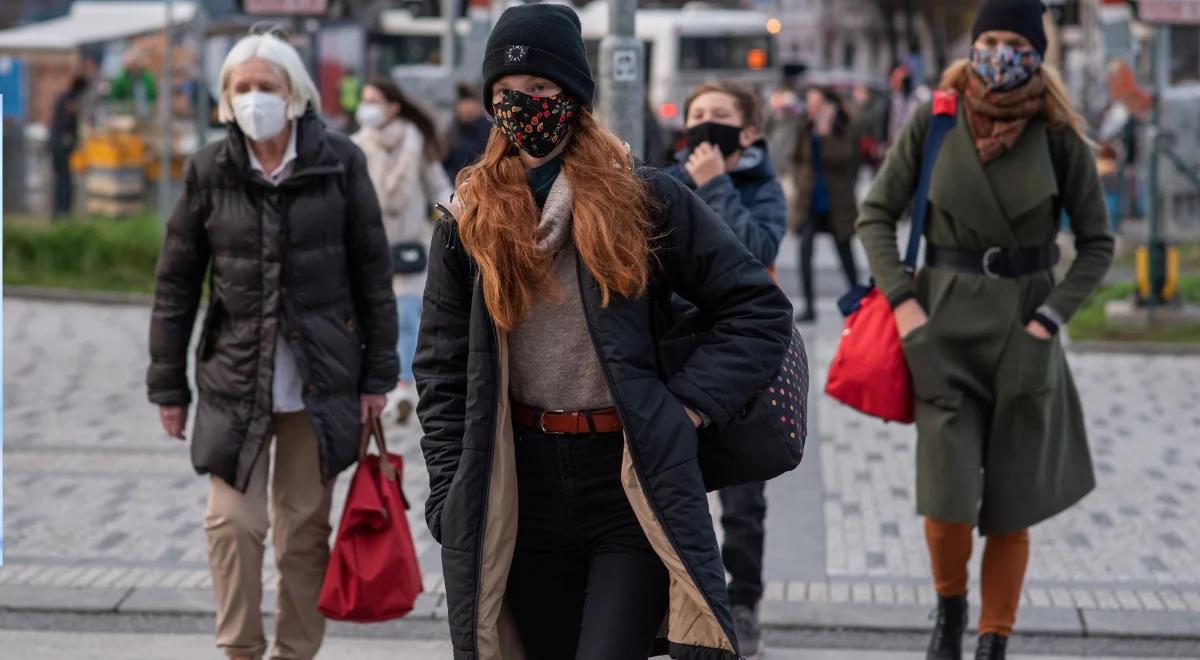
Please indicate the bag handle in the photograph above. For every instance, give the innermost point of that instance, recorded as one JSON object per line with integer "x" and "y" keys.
{"x": 374, "y": 428}
{"x": 945, "y": 112}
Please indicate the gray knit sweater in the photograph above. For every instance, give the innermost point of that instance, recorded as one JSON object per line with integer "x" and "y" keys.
{"x": 553, "y": 363}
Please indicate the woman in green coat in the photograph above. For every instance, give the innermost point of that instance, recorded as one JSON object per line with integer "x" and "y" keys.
{"x": 1001, "y": 440}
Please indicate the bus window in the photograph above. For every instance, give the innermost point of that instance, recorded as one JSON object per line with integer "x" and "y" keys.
{"x": 716, "y": 52}
{"x": 387, "y": 51}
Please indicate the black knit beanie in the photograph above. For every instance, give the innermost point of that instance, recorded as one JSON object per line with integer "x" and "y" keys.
{"x": 1021, "y": 16}
{"x": 539, "y": 40}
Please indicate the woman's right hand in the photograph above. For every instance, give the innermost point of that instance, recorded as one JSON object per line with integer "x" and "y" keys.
{"x": 909, "y": 316}
{"x": 174, "y": 418}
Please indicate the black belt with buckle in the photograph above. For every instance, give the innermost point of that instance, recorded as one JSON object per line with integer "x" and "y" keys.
{"x": 994, "y": 262}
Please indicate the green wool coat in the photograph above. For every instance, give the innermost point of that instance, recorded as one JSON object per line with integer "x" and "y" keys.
{"x": 1001, "y": 439}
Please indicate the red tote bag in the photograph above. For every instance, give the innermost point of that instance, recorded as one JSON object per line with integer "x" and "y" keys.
{"x": 868, "y": 372}
{"x": 373, "y": 573}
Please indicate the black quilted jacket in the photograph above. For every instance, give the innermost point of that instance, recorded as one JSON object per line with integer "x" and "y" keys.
{"x": 308, "y": 262}
{"x": 458, "y": 369}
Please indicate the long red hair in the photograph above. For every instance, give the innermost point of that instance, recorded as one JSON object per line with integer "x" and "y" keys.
{"x": 498, "y": 219}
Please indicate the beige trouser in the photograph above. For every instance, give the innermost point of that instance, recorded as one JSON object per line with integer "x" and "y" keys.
{"x": 236, "y": 526}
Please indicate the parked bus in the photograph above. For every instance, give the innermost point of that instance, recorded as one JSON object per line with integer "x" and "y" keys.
{"x": 689, "y": 46}
{"x": 683, "y": 48}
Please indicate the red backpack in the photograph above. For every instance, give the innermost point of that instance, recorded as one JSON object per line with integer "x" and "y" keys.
{"x": 868, "y": 372}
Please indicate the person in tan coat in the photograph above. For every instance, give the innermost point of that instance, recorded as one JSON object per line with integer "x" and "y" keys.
{"x": 404, "y": 155}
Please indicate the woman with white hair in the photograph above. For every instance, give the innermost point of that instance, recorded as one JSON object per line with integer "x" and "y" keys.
{"x": 297, "y": 345}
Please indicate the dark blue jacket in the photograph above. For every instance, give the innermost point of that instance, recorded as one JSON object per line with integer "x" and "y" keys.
{"x": 749, "y": 199}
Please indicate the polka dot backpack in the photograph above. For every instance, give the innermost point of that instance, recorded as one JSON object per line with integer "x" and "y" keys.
{"x": 767, "y": 440}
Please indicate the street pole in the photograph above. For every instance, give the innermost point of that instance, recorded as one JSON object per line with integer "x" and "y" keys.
{"x": 164, "y": 118}
{"x": 1162, "y": 59}
{"x": 202, "y": 109}
{"x": 622, "y": 90}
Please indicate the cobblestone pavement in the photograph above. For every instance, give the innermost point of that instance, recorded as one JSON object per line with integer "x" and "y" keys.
{"x": 1133, "y": 544}
{"x": 95, "y": 496}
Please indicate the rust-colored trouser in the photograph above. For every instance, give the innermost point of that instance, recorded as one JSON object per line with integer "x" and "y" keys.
{"x": 1003, "y": 573}
{"x": 236, "y": 525}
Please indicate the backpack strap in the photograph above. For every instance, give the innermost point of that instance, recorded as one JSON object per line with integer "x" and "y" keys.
{"x": 1058, "y": 159}
{"x": 945, "y": 115}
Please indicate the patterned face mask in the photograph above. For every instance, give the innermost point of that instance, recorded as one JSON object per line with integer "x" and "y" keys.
{"x": 535, "y": 124}
{"x": 1005, "y": 68}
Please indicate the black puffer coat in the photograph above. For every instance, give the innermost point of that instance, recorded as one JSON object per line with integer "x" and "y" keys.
{"x": 307, "y": 261}
{"x": 462, "y": 375}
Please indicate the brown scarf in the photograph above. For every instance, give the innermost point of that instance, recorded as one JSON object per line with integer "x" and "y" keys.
{"x": 997, "y": 118}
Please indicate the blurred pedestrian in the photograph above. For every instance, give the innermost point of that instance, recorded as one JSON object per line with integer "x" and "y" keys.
{"x": 298, "y": 344}
{"x": 728, "y": 167}
{"x": 64, "y": 138}
{"x": 902, "y": 101}
{"x": 577, "y": 518}
{"x": 404, "y": 156}
{"x": 784, "y": 118}
{"x": 468, "y": 133}
{"x": 350, "y": 89}
{"x": 825, "y": 170}
{"x": 869, "y": 123}
{"x": 1001, "y": 439}
{"x": 134, "y": 85}
{"x": 654, "y": 139}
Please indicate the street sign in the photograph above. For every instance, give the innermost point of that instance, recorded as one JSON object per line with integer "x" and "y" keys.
{"x": 285, "y": 7}
{"x": 625, "y": 66}
{"x": 1173, "y": 12}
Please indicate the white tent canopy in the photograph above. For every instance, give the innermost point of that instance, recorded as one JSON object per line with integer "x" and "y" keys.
{"x": 93, "y": 22}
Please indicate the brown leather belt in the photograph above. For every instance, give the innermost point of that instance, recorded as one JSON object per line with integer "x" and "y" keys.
{"x": 563, "y": 422}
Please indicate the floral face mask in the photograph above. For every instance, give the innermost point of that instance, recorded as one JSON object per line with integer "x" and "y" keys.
{"x": 1005, "y": 68}
{"x": 535, "y": 124}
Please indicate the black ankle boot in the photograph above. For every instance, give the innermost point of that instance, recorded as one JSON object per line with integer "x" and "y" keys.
{"x": 946, "y": 643}
{"x": 991, "y": 647}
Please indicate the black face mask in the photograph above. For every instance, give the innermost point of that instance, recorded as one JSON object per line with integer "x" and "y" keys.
{"x": 722, "y": 136}
{"x": 535, "y": 124}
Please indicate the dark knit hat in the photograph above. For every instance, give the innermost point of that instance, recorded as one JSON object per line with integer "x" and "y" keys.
{"x": 539, "y": 40}
{"x": 1021, "y": 16}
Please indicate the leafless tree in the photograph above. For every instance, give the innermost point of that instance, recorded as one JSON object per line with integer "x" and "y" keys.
{"x": 947, "y": 20}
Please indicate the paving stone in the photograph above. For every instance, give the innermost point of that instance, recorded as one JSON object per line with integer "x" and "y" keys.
{"x": 1144, "y": 624}
{"x": 1084, "y": 598}
{"x": 131, "y": 511}
{"x": 1128, "y": 600}
{"x": 60, "y": 599}
{"x": 169, "y": 601}
{"x": 1172, "y": 600}
{"x": 1150, "y": 600}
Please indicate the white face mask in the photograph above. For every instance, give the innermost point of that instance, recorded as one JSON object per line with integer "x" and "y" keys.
{"x": 260, "y": 115}
{"x": 370, "y": 115}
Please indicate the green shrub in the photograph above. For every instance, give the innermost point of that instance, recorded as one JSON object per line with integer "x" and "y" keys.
{"x": 100, "y": 254}
{"x": 1090, "y": 324}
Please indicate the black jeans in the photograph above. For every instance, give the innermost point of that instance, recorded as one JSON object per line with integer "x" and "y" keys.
{"x": 743, "y": 512}
{"x": 585, "y": 582}
{"x": 808, "y": 233}
{"x": 63, "y": 192}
